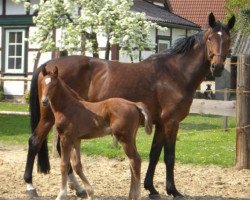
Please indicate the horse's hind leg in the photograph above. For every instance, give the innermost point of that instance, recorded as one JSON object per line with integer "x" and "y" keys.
{"x": 37, "y": 142}
{"x": 77, "y": 166}
{"x": 129, "y": 146}
{"x": 72, "y": 181}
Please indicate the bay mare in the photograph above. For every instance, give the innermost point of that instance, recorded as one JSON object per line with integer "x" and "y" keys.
{"x": 165, "y": 82}
{"x": 76, "y": 119}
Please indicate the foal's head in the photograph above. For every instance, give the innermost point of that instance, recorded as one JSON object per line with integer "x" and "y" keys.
{"x": 48, "y": 84}
{"x": 218, "y": 43}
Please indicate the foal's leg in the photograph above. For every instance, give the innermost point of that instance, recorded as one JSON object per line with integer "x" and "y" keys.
{"x": 154, "y": 155}
{"x": 77, "y": 166}
{"x": 66, "y": 147}
{"x": 129, "y": 146}
{"x": 72, "y": 181}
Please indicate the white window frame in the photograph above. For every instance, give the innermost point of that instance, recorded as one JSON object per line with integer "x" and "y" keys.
{"x": 7, "y": 34}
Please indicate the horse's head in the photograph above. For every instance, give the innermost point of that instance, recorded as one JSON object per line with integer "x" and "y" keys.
{"x": 48, "y": 85}
{"x": 218, "y": 43}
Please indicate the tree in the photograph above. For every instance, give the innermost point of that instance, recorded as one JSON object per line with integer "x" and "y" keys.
{"x": 242, "y": 11}
{"x": 81, "y": 21}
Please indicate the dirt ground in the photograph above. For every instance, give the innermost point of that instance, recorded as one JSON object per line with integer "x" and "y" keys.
{"x": 111, "y": 178}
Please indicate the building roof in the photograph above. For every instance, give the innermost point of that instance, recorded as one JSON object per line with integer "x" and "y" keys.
{"x": 198, "y": 10}
{"x": 160, "y": 15}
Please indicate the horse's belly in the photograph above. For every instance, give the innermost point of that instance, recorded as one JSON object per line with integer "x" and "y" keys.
{"x": 96, "y": 133}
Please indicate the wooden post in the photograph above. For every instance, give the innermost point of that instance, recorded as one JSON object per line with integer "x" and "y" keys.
{"x": 226, "y": 98}
{"x": 243, "y": 113}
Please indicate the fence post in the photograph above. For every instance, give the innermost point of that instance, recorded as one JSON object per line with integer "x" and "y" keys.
{"x": 243, "y": 113}
{"x": 226, "y": 98}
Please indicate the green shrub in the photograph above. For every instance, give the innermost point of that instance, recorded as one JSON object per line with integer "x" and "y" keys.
{"x": 1, "y": 93}
{"x": 27, "y": 96}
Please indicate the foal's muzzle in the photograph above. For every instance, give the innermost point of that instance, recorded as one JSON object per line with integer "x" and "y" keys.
{"x": 45, "y": 101}
{"x": 216, "y": 69}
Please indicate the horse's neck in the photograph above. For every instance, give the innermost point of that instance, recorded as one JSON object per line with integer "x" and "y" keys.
{"x": 194, "y": 67}
{"x": 62, "y": 98}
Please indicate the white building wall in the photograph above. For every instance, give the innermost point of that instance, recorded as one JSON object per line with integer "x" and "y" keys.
{"x": 178, "y": 33}
{"x": 13, "y": 87}
{"x": 14, "y": 9}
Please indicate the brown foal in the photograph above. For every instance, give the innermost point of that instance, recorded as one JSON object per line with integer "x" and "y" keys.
{"x": 76, "y": 119}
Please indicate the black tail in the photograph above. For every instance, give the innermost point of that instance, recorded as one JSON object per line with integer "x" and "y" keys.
{"x": 43, "y": 156}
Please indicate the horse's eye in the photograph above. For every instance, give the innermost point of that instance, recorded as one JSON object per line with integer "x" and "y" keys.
{"x": 209, "y": 39}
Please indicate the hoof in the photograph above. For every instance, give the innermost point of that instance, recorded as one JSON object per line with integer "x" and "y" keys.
{"x": 83, "y": 194}
{"x": 154, "y": 196}
{"x": 32, "y": 193}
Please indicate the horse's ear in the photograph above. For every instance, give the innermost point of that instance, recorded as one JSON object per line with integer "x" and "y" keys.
{"x": 211, "y": 20}
{"x": 44, "y": 71}
{"x": 55, "y": 71}
{"x": 231, "y": 22}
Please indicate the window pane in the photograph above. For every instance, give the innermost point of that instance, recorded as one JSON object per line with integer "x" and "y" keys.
{"x": 19, "y": 37}
{"x": 11, "y": 63}
{"x": 11, "y": 50}
{"x": 18, "y": 63}
{"x": 12, "y": 37}
{"x": 18, "y": 50}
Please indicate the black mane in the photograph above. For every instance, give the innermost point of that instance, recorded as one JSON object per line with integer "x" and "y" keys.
{"x": 181, "y": 45}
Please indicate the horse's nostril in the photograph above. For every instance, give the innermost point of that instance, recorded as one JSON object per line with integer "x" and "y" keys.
{"x": 45, "y": 101}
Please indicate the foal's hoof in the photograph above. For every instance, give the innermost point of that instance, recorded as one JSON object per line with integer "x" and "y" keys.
{"x": 83, "y": 194}
{"x": 32, "y": 193}
{"x": 155, "y": 196}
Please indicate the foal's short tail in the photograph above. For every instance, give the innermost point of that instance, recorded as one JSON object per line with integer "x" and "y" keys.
{"x": 147, "y": 117}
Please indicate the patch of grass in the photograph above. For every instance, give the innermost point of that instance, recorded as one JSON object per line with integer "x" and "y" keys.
{"x": 14, "y": 129}
{"x": 7, "y": 106}
{"x": 201, "y": 140}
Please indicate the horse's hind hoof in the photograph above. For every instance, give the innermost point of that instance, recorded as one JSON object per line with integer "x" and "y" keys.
{"x": 32, "y": 193}
{"x": 154, "y": 196}
{"x": 83, "y": 194}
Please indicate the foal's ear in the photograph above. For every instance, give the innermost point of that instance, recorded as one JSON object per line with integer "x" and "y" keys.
{"x": 44, "y": 71}
{"x": 211, "y": 20}
{"x": 55, "y": 72}
{"x": 231, "y": 22}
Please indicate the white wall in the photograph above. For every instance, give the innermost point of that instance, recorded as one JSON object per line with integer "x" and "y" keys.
{"x": 14, "y": 9}
{"x": 178, "y": 33}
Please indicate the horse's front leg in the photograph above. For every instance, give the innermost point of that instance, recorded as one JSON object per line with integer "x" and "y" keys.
{"x": 171, "y": 129}
{"x": 154, "y": 155}
{"x": 66, "y": 147}
{"x": 72, "y": 181}
{"x": 37, "y": 144}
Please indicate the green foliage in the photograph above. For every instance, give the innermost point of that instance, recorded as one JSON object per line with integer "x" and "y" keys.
{"x": 241, "y": 9}
{"x": 1, "y": 93}
{"x": 82, "y": 20}
{"x": 27, "y": 96}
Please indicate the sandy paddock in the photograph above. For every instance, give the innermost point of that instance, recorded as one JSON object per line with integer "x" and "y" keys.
{"x": 111, "y": 179}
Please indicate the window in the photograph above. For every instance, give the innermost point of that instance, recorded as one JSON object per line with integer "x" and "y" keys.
{"x": 14, "y": 51}
{"x": 163, "y": 45}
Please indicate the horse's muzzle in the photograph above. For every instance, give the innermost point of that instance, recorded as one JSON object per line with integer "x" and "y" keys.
{"x": 217, "y": 69}
{"x": 45, "y": 102}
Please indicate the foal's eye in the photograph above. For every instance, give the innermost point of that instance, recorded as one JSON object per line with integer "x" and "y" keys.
{"x": 209, "y": 39}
